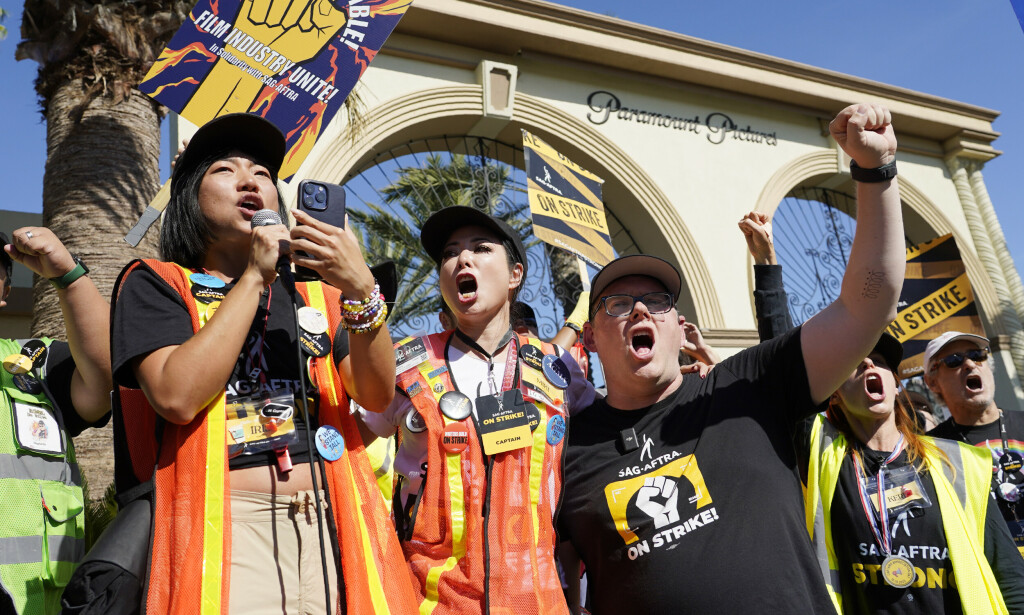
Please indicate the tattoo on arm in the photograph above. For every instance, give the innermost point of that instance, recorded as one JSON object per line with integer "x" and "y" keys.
{"x": 873, "y": 284}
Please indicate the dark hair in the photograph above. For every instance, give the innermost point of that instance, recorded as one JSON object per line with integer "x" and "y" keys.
{"x": 185, "y": 234}
{"x": 5, "y": 259}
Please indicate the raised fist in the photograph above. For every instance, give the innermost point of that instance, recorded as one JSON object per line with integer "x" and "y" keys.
{"x": 658, "y": 488}
{"x": 865, "y": 133}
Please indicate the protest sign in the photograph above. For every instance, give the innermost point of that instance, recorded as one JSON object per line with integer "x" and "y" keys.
{"x": 292, "y": 62}
{"x": 936, "y": 298}
{"x": 565, "y": 202}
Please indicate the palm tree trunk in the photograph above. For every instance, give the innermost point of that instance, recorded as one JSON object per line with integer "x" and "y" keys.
{"x": 101, "y": 172}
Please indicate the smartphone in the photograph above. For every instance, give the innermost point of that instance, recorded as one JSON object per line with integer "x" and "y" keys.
{"x": 326, "y": 203}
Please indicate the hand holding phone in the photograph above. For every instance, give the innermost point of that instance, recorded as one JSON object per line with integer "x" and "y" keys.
{"x": 325, "y": 202}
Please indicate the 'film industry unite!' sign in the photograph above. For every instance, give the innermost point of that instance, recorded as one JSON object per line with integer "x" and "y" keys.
{"x": 715, "y": 126}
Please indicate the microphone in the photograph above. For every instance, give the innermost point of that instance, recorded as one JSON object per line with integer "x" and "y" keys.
{"x": 269, "y": 217}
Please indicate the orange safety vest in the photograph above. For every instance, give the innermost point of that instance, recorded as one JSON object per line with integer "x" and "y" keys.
{"x": 191, "y": 544}
{"x": 482, "y": 538}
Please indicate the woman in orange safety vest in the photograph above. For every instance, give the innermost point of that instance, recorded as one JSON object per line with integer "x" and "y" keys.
{"x": 482, "y": 415}
{"x": 206, "y": 355}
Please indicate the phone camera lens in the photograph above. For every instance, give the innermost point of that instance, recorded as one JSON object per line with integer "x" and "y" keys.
{"x": 309, "y": 188}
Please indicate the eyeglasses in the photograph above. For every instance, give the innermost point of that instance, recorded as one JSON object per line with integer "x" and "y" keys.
{"x": 622, "y": 305}
{"x": 955, "y": 360}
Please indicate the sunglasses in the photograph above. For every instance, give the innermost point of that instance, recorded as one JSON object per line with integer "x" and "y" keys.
{"x": 955, "y": 360}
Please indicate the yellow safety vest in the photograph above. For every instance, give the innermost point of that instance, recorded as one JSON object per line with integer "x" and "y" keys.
{"x": 963, "y": 501}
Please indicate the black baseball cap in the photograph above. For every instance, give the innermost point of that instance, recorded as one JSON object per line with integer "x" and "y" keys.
{"x": 635, "y": 264}
{"x": 890, "y": 348}
{"x": 242, "y": 131}
{"x": 439, "y": 227}
{"x": 386, "y": 274}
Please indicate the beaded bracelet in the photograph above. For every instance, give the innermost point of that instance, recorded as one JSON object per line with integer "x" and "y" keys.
{"x": 370, "y": 326}
{"x": 354, "y": 305}
{"x": 367, "y": 312}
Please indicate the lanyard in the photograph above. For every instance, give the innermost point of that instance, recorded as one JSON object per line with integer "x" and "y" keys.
{"x": 880, "y": 529}
{"x": 257, "y": 370}
{"x": 510, "y": 360}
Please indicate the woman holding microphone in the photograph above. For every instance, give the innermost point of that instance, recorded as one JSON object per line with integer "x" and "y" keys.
{"x": 211, "y": 404}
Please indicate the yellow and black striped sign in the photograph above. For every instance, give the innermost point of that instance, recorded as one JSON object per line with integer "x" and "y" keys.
{"x": 565, "y": 202}
{"x": 936, "y": 298}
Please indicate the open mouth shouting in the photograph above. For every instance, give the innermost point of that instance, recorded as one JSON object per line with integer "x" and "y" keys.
{"x": 641, "y": 342}
{"x": 466, "y": 283}
{"x": 973, "y": 383}
{"x": 874, "y": 387}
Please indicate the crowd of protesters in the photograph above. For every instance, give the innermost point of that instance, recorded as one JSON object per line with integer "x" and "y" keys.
{"x": 276, "y": 452}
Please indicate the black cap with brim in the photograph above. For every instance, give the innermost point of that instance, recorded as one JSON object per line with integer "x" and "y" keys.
{"x": 890, "y": 348}
{"x": 244, "y": 132}
{"x": 635, "y": 264}
{"x": 439, "y": 227}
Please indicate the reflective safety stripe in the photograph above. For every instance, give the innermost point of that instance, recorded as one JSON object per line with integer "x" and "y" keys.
{"x": 540, "y": 438}
{"x": 29, "y": 549}
{"x": 211, "y": 586}
{"x": 329, "y": 393}
{"x": 957, "y": 479}
{"x": 213, "y": 513}
{"x": 456, "y": 490}
{"x": 28, "y": 467}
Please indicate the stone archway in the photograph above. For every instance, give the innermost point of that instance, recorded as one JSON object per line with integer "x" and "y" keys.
{"x": 630, "y": 192}
{"x": 920, "y": 212}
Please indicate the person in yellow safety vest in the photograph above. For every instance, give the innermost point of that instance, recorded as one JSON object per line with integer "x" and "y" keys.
{"x": 933, "y": 541}
{"x": 482, "y": 415}
{"x": 49, "y": 391}
{"x": 205, "y": 353}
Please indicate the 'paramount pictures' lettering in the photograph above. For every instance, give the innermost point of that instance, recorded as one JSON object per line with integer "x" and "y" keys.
{"x": 715, "y": 126}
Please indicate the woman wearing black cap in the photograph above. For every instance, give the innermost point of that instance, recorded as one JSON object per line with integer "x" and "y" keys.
{"x": 205, "y": 352}
{"x": 482, "y": 415}
{"x": 934, "y": 543}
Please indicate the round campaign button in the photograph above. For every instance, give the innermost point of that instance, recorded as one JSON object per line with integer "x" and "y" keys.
{"x": 35, "y": 350}
{"x": 556, "y": 372}
{"x": 329, "y": 443}
{"x": 455, "y": 405}
{"x": 455, "y": 438}
{"x": 556, "y": 430}
{"x": 207, "y": 295}
{"x": 317, "y": 345}
{"x": 533, "y": 415}
{"x": 414, "y": 422}
{"x": 207, "y": 280}
{"x": 1010, "y": 462}
{"x": 27, "y": 384}
{"x": 312, "y": 320}
{"x": 532, "y": 356}
{"x": 17, "y": 364}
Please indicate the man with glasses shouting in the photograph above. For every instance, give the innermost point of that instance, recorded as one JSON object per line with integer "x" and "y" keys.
{"x": 682, "y": 492}
{"x": 957, "y": 369}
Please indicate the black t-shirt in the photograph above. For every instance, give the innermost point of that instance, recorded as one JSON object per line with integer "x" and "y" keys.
{"x": 989, "y": 437}
{"x": 60, "y": 368}
{"x": 918, "y": 535}
{"x": 146, "y": 299}
{"x": 705, "y": 514}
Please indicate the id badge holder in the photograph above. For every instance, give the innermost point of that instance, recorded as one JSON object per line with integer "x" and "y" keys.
{"x": 904, "y": 491}
{"x": 36, "y": 429}
{"x": 503, "y": 423}
{"x": 256, "y": 424}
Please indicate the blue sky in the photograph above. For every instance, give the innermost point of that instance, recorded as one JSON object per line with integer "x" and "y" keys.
{"x": 966, "y": 51}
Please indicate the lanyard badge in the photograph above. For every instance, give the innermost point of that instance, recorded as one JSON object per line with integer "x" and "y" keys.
{"x": 896, "y": 570}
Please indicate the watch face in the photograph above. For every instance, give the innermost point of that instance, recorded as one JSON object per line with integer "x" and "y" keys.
{"x": 78, "y": 261}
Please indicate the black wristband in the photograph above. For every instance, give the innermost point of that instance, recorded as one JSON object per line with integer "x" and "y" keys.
{"x": 873, "y": 176}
